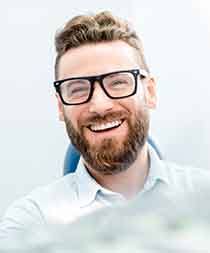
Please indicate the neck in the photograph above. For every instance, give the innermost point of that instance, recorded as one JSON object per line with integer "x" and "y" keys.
{"x": 129, "y": 182}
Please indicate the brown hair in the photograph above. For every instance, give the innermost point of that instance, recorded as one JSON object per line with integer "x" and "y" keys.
{"x": 102, "y": 27}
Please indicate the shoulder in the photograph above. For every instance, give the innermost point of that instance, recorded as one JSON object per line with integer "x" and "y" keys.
{"x": 186, "y": 178}
{"x": 59, "y": 200}
{"x": 60, "y": 188}
{"x": 43, "y": 206}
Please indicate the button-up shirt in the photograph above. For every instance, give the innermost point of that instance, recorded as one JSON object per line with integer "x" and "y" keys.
{"x": 78, "y": 194}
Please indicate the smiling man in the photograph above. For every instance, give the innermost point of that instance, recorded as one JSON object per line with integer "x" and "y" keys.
{"x": 104, "y": 92}
{"x": 106, "y": 109}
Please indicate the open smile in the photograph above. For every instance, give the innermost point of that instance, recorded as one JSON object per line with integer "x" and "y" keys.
{"x": 105, "y": 126}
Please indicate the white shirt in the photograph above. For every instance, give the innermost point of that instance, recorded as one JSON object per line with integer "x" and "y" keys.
{"x": 78, "y": 194}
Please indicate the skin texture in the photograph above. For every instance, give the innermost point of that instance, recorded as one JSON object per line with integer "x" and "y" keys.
{"x": 121, "y": 154}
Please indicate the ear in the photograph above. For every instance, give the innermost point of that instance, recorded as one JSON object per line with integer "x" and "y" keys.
{"x": 150, "y": 93}
{"x": 60, "y": 107}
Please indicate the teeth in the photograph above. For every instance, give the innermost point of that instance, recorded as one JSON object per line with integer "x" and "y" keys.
{"x": 106, "y": 125}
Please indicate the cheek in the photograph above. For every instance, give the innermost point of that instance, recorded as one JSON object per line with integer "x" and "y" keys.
{"x": 132, "y": 104}
{"x": 136, "y": 107}
{"x": 75, "y": 119}
{"x": 139, "y": 102}
{"x": 69, "y": 115}
{"x": 75, "y": 115}
{"x": 139, "y": 97}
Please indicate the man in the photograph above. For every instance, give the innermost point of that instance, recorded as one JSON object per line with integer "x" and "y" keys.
{"x": 104, "y": 92}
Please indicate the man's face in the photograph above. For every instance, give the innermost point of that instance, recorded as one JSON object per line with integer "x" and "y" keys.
{"x": 105, "y": 148}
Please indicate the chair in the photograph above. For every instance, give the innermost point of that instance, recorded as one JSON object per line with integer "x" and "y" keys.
{"x": 72, "y": 156}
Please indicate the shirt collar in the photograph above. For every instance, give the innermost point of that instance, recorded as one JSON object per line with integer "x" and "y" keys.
{"x": 88, "y": 187}
{"x": 157, "y": 171}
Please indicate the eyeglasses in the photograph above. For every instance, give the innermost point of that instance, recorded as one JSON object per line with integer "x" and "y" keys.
{"x": 116, "y": 85}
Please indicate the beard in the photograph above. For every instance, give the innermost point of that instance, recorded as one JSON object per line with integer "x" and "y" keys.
{"x": 111, "y": 156}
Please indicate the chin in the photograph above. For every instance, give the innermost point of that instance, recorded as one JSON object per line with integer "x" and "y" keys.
{"x": 110, "y": 141}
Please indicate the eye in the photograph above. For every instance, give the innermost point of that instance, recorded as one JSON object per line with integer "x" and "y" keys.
{"x": 118, "y": 83}
{"x": 78, "y": 89}
{"x": 75, "y": 88}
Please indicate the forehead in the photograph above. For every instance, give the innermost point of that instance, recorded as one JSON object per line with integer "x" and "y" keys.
{"x": 94, "y": 59}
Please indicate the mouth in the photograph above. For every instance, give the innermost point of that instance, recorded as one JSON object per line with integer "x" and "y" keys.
{"x": 105, "y": 127}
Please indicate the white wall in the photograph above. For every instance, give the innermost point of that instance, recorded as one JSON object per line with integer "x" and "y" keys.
{"x": 33, "y": 141}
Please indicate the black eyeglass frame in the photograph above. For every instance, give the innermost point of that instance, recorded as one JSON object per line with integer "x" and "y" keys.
{"x": 99, "y": 78}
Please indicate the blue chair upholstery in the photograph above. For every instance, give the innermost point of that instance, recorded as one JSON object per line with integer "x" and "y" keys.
{"x": 72, "y": 156}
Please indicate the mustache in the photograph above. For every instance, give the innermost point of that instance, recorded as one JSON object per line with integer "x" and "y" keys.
{"x": 111, "y": 116}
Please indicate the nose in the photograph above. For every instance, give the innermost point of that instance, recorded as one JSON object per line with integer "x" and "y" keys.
{"x": 100, "y": 103}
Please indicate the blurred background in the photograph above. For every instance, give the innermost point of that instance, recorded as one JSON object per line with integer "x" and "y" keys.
{"x": 176, "y": 37}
